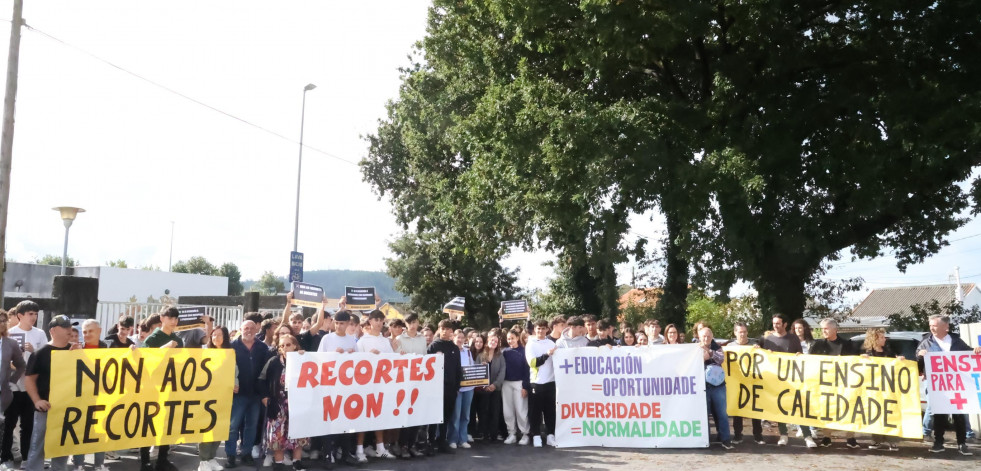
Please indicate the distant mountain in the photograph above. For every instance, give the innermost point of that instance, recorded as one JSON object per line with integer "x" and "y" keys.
{"x": 334, "y": 281}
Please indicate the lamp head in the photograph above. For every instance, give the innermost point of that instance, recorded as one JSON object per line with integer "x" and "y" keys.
{"x": 309, "y": 87}
{"x": 68, "y": 213}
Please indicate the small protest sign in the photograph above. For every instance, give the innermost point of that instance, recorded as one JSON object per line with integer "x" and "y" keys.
{"x": 360, "y": 299}
{"x": 476, "y": 375}
{"x": 190, "y": 317}
{"x": 454, "y": 308}
{"x": 307, "y": 295}
{"x": 515, "y": 310}
{"x": 19, "y": 338}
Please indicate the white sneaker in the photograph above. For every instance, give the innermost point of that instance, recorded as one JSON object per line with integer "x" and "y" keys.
{"x": 783, "y": 440}
{"x": 550, "y": 440}
{"x": 153, "y": 452}
{"x": 524, "y": 440}
{"x": 464, "y": 445}
{"x": 453, "y": 446}
{"x": 204, "y": 466}
{"x": 256, "y": 451}
{"x": 287, "y": 461}
{"x": 370, "y": 452}
{"x": 383, "y": 453}
{"x": 800, "y": 432}
{"x": 510, "y": 440}
{"x": 538, "y": 441}
{"x": 361, "y": 458}
{"x": 102, "y": 468}
{"x": 469, "y": 438}
{"x": 810, "y": 442}
{"x": 267, "y": 462}
{"x": 213, "y": 462}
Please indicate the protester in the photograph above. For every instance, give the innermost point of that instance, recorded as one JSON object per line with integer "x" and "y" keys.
{"x": 309, "y": 339}
{"x": 206, "y": 451}
{"x": 414, "y": 343}
{"x": 452, "y": 373}
{"x": 373, "y": 342}
{"x": 833, "y": 345}
{"x": 272, "y": 390}
{"x": 780, "y": 341}
{"x": 942, "y": 340}
{"x": 491, "y": 405}
{"x": 591, "y": 331}
{"x": 671, "y": 335}
{"x": 457, "y": 430}
{"x": 741, "y": 333}
{"x": 652, "y": 330}
{"x": 12, "y": 368}
{"x": 803, "y": 332}
{"x": 340, "y": 341}
{"x": 268, "y": 330}
{"x": 517, "y": 386}
{"x": 604, "y": 331}
{"x": 628, "y": 337}
{"x": 91, "y": 334}
{"x": 538, "y": 354}
{"x": 38, "y": 386}
{"x": 198, "y": 337}
{"x": 715, "y": 386}
{"x": 250, "y": 356}
{"x": 162, "y": 337}
{"x": 575, "y": 334}
{"x": 21, "y": 408}
{"x": 875, "y": 346}
{"x": 118, "y": 336}
{"x": 557, "y": 325}
{"x": 476, "y": 341}
{"x": 641, "y": 339}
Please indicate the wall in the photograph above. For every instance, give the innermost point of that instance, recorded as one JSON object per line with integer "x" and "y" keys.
{"x": 119, "y": 284}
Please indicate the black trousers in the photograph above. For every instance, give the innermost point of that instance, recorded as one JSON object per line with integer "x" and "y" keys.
{"x": 22, "y": 409}
{"x": 449, "y": 403}
{"x": 489, "y": 413}
{"x": 941, "y": 424}
{"x": 162, "y": 452}
{"x": 542, "y": 404}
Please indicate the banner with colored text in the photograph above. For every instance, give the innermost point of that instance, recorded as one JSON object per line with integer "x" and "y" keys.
{"x": 114, "y": 399}
{"x": 333, "y": 393}
{"x": 646, "y": 397}
{"x": 866, "y": 395}
{"x": 953, "y": 382}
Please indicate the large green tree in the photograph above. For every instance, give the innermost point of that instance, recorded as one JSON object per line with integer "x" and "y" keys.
{"x": 772, "y": 134}
{"x": 201, "y": 266}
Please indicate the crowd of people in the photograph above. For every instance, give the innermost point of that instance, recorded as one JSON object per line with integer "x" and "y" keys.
{"x": 516, "y": 407}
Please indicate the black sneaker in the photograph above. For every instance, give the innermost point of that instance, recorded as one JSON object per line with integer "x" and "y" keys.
{"x": 351, "y": 460}
{"x": 759, "y": 439}
{"x": 737, "y": 439}
{"x": 298, "y": 465}
{"x": 727, "y": 445}
{"x": 938, "y": 447}
{"x": 146, "y": 467}
{"x": 851, "y": 443}
{"x": 415, "y": 452}
{"x": 962, "y": 449}
{"x": 229, "y": 463}
{"x": 248, "y": 460}
{"x": 826, "y": 442}
{"x": 164, "y": 465}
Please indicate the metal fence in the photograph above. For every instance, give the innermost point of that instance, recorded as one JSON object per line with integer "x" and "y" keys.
{"x": 108, "y": 313}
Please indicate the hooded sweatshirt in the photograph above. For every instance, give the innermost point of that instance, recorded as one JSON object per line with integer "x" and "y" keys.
{"x": 568, "y": 341}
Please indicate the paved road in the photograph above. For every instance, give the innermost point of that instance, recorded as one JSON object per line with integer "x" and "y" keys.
{"x": 913, "y": 455}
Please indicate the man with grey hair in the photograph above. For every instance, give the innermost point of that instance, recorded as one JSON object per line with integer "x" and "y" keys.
{"x": 942, "y": 340}
{"x": 833, "y": 345}
{"x": 250, "y": 357}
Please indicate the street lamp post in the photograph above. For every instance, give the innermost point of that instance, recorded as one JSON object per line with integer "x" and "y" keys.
{"x": 299, "y": 166}
{"x": 68, "y": 214}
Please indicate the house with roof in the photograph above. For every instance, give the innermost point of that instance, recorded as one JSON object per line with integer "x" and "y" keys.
{"x": 875, "y": 309}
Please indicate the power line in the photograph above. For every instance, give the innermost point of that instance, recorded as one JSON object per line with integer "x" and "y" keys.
{"x": 186, "y": 97}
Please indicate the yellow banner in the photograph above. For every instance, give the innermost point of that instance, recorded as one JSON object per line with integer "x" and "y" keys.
{"x": 867, "y": 395}
{"x": 115, "y": 399}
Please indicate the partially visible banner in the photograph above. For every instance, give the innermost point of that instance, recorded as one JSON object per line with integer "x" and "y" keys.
{"x": 953, "y": 382}
{"x": 114, "y": 399}
{"x": 332, "y": 393}
{"x": 866, "y": 395}
{"x": 647, "y": 397}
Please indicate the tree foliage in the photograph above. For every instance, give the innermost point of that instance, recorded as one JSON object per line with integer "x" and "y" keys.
{"x": 772, "y": 135}
{"x": 269, "y": 284}
{"x": 231, "y": 271}
{"x": 201, "y": 266}
{"x": 120, "y": 263}
{"x": 918, "y": 317}
{"x": 432, "y": 273}
{"x": 55, "y": 260}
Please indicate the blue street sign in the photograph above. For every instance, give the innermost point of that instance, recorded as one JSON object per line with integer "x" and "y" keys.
{"x": 296, "y": 266}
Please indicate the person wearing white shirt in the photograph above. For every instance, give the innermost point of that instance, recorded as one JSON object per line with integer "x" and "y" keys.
{"x": 372, "y": 341}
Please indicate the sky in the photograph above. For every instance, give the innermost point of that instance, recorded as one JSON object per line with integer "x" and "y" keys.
{"x": 186, "y": 114}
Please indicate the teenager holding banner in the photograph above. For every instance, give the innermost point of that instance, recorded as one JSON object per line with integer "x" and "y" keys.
{"x": 414, "y": 343}
{"x": 38, "y": 385}
{"x": 250, "y": 356}
{"x": 574, "y": 335}
{"x": 833, "y": 345}
{"x": 942, "y": 340}
{"x": 163, "y": 337}
{"x": 741, "y": 333}
{"x": 875, "y": 346}
{"x": 207, "y": 451}
{"x": 628, "y": 337}
{"x": 715, "y": 383}
{"x": 538, "y": 354}
{"x": 91, "y": 333}
{"x": 339, "y": 341}
{"x": 373, "y": 342}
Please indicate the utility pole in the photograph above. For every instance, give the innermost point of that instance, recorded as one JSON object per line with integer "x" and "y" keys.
{"x": 7, "y": 139}
{"x": 170, "y": 260}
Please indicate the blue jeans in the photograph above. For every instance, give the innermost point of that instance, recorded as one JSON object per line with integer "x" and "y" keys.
{"x": 245, "y": 411}
{"x": 715, "y": 397}
{"x": 100, "y": 459}
{"x": 35, "y": 457}
{"x": 456, "y": 432}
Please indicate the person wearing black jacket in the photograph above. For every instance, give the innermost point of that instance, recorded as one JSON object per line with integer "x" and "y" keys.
{"x": 833, "y": 345}
{"x": 272, "y": 390}
{"x": 452, "y": 373}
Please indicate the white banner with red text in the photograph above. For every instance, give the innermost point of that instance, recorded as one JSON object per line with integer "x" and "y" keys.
{"x": 953, "y": 382}
{"x": 332, "y": 393}
{"x": 631, "y": 397}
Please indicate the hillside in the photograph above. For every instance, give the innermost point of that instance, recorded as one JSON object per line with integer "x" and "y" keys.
{"x": 334, "y": 281}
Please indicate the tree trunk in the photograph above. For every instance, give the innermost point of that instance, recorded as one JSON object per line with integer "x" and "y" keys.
{"x": 782, "y": 292}
{"x": 672, "y": 307}
{"x": 587, "y": 285}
